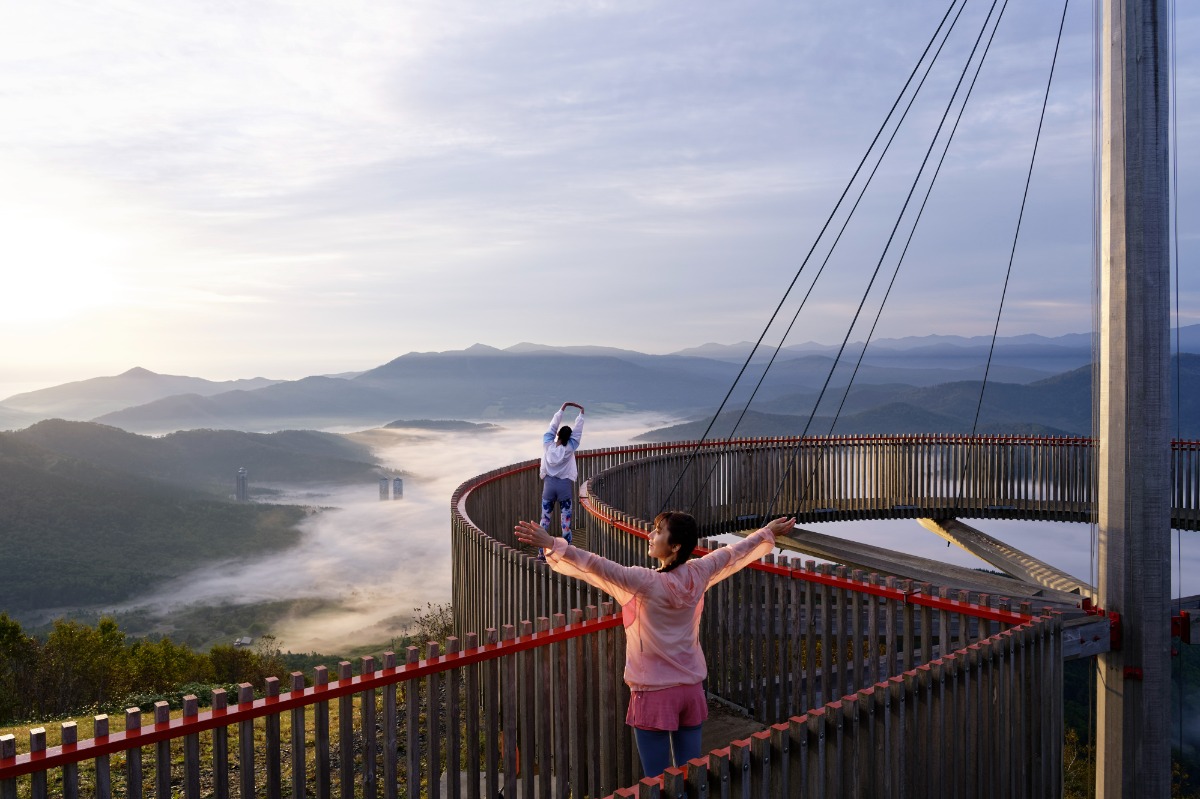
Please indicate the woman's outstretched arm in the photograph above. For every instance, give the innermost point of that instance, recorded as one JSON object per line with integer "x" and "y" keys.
{"x": 727, "y": 560}
{"x": 623, "y": 582}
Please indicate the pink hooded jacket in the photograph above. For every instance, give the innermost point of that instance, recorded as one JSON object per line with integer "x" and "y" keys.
{"x": 661, "y": 611}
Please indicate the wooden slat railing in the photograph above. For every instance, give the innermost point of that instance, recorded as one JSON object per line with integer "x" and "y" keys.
{"x": 542, "y": 714}
{"x": 975, "y": 722}
{"x": 525, "y": 711}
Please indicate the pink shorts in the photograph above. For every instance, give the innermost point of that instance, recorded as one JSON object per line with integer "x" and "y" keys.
{"x": 668, "y": 709}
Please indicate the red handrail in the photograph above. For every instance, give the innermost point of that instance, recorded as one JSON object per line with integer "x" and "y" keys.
{"x": 66, "y": 754}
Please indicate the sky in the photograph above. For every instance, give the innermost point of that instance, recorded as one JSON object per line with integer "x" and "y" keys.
{"x": 280, "y": 189}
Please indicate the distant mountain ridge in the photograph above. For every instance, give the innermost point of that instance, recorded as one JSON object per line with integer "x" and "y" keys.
{"x": 85, "y": 399}
{"x": 526, "y": 380}
{"x": 1059, "y": 405}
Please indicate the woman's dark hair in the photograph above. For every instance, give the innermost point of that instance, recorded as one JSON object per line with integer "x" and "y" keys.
{"x": 682, "y": 530}
{"x": 564, "y": 435}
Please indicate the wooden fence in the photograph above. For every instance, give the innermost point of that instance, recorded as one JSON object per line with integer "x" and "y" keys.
{"x": 538, "y": 710}
{"x": 540, "y": 713}
{"x": 973, "y": 723}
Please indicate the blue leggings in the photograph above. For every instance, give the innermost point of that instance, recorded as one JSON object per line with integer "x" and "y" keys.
{"x": 654, "y": 748}
{"x": 557, "y": 489}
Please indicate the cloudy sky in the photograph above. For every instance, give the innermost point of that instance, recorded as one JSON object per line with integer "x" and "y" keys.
{"x": 298, "y": 187}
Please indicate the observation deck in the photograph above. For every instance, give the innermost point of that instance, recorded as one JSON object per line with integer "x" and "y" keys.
{"x": 869, "y": 682}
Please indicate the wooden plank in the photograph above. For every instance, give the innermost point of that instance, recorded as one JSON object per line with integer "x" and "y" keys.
{"x": 345, "y": 733}
{"x": 592, "y": 713}
{"x": 133, "y": 756}
{"x": 473, "y": 703}
{"x": 412, "y": 724}
{"x": 818, "y": 772}
{"x": 273, "y": 741}
{"x": 368, "y": 732}
{"x": 491, "y": 690}
{"x": 453, "y": 725}
{"x": 926, "y": 625}
{"x": 69, "y": 735}
{"x": 826, "y": 640}
{"x": 297, "y": 742}
{"x": 740, "y": 783}
{"x": 780, "y": 776}
{"x": 102, "y": 765}
{"x": 8, "y": 751}
{"x": 525, "y": 685}
{"x": 37, "y": 780}
{"x": 608, "y": 678}
{"x": 810, "y": 638}
{"x": 246, "y": 743}
{"x": 162, "y": 752}
{"x": 509, "y": 709}
{"x": 561, "y": 688}
{"x": 718, "y": 774}
{"x": 321, "y": 740}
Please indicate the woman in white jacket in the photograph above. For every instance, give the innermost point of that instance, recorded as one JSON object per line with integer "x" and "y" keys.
{"x": 558, "y": 470}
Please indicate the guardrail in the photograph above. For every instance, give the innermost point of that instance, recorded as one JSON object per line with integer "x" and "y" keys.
{"x": 538, "y": 709}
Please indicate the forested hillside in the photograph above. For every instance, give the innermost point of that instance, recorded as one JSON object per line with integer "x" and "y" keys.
{"x": 74, "y": 533}
{"x": 209, "y": 459}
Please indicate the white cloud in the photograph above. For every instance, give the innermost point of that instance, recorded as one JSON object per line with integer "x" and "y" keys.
{"x": 293, "y": 155}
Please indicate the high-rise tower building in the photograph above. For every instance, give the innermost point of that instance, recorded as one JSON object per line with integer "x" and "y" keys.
{"x": 240, "y": 493}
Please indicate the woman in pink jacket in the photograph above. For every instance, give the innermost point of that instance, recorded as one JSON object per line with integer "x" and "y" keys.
{"x": 664, "y": 665}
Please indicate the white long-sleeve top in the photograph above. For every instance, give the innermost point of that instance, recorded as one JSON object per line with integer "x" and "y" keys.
{"x": 558, "y": 460}
{"x": 661, "y": 610}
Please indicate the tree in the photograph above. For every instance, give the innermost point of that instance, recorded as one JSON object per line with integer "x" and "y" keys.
{"x": 18, "y": 667}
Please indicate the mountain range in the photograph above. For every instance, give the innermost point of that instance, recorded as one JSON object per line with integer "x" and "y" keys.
{"x": 1059, "y": 405}
{"x": 526, "y": 380}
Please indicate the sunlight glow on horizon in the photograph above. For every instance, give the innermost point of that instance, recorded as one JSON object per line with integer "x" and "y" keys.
{"x": 231, "y": 192}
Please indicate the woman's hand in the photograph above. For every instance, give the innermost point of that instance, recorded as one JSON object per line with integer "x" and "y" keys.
{"x": 782, "y": 526}
{"x": 533, "y": 534}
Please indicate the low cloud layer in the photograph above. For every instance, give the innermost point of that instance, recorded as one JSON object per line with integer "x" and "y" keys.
{"x": 378, "y": 560}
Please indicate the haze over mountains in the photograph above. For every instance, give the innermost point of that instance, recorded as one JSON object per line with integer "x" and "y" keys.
{"x": 90, "y": 513}
{"x": 526, "y": 380}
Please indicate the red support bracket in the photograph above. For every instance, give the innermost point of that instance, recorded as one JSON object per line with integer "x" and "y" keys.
{"x": 1186, "y": 627}
{"x": 1133, "y": 673}
{"x": 1114, "y": 623}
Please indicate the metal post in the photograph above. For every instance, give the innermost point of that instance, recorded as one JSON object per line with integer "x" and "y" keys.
{"x": 1134, "y": 465}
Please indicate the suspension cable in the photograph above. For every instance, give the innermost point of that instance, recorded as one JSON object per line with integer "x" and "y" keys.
{"x": 816, "y": 241}
{"x": 845, "y": 223}
{"x": 1012, "y": 254}
{"x": 1020, "y": 216}
{"x": 899, "y": 262}
{"x": 912, "y": 189}
{"x": 920, "y": 212}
